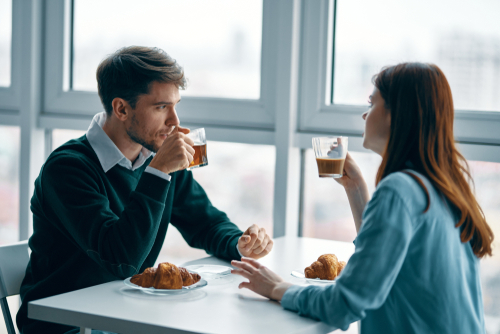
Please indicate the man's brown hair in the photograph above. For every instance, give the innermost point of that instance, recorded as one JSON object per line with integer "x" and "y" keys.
{"x": 129, "y": 72}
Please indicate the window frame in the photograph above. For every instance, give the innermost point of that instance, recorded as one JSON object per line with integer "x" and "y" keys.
{"x": 475, "y": 131}
{"x": 244, "y": 113}
{"x": 9, "y": 96}
{"x": 293, "y": 107}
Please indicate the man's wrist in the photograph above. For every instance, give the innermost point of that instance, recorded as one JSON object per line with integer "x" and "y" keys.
{"x": 160, "y": 168}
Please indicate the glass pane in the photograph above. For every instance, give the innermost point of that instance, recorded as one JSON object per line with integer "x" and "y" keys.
{"x": 240, "y": 184}
{"x": 461, "y": 38}
{"x": 60, "y": 136}
{"x": 9, "y": 184}
{"x": 5, "y": 41}
{"x": 487, "y": 180}
{"x": 327, "y": 214}
{"x": 217, "y": 42}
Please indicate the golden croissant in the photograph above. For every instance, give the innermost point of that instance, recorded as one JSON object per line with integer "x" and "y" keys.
{"x": 166, "y": 276}
{"x": 326, "y": 267}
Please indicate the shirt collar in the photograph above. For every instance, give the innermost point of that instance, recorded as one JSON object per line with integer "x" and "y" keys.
{"x": 107, "y": 152}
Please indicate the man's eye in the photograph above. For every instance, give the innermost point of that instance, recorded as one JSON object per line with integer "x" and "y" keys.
{"x": 162, "y": 107}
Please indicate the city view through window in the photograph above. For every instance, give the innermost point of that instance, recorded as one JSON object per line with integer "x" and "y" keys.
{"x": 217, "y": 42}
{"x": 461, "y": 37}
{"x": 5, "y": 41}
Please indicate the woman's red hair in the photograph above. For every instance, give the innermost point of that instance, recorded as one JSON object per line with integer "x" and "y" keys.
{"x": 421, "y": 106}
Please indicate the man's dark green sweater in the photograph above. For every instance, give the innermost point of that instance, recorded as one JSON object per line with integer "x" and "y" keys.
{"x": 91, "y": 227}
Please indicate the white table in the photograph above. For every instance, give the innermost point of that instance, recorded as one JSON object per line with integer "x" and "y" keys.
{"x": 220, "y": 307}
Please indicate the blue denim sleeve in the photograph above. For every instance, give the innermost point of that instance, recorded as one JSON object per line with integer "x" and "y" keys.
{"x": 368, "y": 277}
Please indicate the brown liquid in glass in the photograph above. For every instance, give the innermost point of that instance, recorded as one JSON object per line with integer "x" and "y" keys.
{"x": 327, "y": 167}
{"x": 200, "y": 155}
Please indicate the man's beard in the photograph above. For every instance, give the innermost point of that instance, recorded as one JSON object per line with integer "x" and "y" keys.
{"x": 134, "y": 135}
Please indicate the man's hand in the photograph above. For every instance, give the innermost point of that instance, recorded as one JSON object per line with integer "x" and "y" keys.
{"x": 255, "y": 242}
{"x": 176, "y": 152}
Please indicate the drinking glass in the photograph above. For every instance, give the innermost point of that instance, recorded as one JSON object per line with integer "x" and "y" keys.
{"x": 330, "y": 155}
{"x": 200, "y": 148}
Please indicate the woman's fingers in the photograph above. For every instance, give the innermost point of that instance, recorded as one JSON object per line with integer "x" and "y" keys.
{"x": 244, "y": 266}
{"x": 251, "y": 261}
{"x": 244, "y": 285}
{"x": 241, "y": 272}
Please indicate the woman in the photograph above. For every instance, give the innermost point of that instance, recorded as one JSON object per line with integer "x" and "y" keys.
{"x": 416, "y": 264}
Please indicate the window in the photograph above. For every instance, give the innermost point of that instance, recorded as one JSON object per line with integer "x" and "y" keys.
{"x": 463, "y": 40}
{"x": 487, "y": 181}
{"x": 60, "y": 136}
{"x": 239, "y": 180}
{"x": 327, "y": 214}
{"x": 217, "y": 42}
{"x": 9, "y": 184}
{"x": 5, "y": 41}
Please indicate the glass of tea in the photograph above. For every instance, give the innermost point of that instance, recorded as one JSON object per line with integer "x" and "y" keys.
{"x": 330, "y": 155}
{"x": 200, "y": 148}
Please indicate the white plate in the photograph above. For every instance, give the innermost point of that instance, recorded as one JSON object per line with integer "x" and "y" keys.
{"x": 210, "y": 271}
{"x": 301, "y": 275}
{"x": 198, "y": 285}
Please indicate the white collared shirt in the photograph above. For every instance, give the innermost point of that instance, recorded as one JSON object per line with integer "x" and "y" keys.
{"x": 110, "y": 155}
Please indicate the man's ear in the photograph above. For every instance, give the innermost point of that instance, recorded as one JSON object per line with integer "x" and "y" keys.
{"x": 121, "y": 108}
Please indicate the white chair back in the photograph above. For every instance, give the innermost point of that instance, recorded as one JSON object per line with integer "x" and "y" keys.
{"x": 14, "y": 259}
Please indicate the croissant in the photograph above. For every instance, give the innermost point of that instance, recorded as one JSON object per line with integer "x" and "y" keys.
{"x": 341, "y": 267}
{"x": 166, "y": 276}
{"x": 326, "y": 267}
{"x": 146, "y": 279}
{"x": 188, "y": 278}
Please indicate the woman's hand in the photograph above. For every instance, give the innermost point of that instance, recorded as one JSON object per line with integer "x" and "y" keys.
{"x": 261, "y": 279}
{"x": 352, "y": 178}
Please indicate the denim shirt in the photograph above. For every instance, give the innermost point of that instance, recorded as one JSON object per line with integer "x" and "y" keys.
{"x": 410, "y": 272}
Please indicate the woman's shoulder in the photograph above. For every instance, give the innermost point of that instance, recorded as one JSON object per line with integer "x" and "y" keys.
{"x": 412, "y": 187}
{"x": 404, "y": 180}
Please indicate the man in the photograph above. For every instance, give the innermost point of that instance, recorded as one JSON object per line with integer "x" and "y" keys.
{"x": 103, "y": 202}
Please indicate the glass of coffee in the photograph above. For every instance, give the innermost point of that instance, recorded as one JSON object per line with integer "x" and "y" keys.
{"x": 200, "y": 148}
{"x": 330, "y": 155}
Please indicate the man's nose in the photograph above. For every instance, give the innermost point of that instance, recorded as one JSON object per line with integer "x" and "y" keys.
{"x": 364, "y": 115}
{"x": 172, "y": 118}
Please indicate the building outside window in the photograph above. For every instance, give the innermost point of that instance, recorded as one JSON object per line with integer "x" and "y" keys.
{"x": 217, "y": 42}
{"x": 5, "y": 41}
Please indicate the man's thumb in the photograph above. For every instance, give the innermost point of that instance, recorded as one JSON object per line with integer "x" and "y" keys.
{"x": 246, "y": 238}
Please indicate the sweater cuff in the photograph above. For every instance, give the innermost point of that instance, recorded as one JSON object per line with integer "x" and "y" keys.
{"x": 235, "y": 255}
{"x": 289, "y": 298}
{"x": 153, "y": 186}
{"x": 158, "y": 173}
